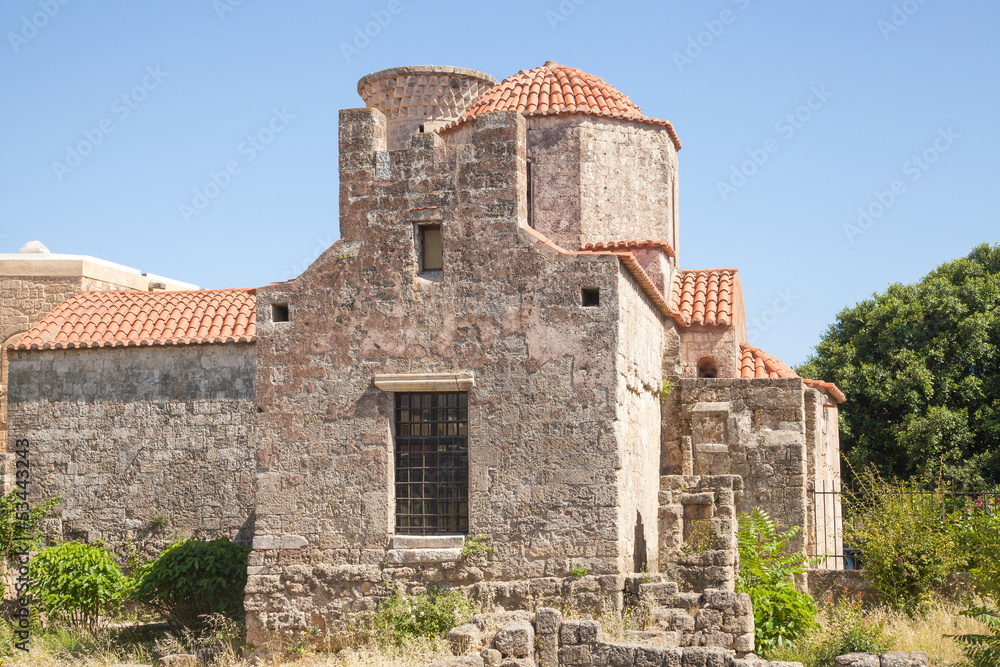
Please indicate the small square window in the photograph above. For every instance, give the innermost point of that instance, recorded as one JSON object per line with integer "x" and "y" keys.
{"x": 279, "y": 312}
{"x": 431, "y": 258}
{"x": 590, "y": 297}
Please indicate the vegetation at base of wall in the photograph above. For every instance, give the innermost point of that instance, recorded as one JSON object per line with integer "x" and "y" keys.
{"x": 782, "y": 613}
{"x": 21, "y": 530}
{"x": 908, "y": 548}
{"x": 195, "y": 578}
{"x": 849, "y": 628}
{"x": 401, "y": 618}
{"x": 477, "y": 545}
{"x": 578, "y": 572}
{"x": 78, "y": 584}
{"x": 919, "y": 364}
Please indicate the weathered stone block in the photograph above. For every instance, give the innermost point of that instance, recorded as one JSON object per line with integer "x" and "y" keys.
{"x": 547, "y": 620}
{"x": 463, "y": 661}
{"x": 705, "y": 656}
{"x": 857, "y": 660}
{"x": 569, "y": 633}
{"x": 577, "y": 655}
{"x": 621, "y": 655}
{"x": 904, "y": 659}
{"x": 465, "y": 639}
{"x": 491, "y": 657}
{"x": 590, "y": 632}
{"x": 516, "y": 640}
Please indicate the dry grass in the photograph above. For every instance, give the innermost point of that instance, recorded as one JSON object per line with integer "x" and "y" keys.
{"x": 928, "y": 632}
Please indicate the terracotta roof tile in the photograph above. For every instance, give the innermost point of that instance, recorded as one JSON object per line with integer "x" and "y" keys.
{"x": 629, "y": 244}
{"x": 110, "y": 318}
{"x": 704, "y": 297}
{"x": 756, "y": 363}
{"x": 556, "y": 89}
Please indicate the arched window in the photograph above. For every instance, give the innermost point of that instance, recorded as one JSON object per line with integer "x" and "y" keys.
{"x": 707, "y": 368}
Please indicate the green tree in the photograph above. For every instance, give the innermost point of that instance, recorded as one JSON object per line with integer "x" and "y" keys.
{"x": 920, "y": 365}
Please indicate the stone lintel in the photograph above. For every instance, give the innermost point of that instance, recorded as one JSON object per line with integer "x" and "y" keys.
{"x": 710, "y": 408}
{"x": 428, "y": 541}
{"x": 711, "y": 448}
{"x": 411, "y": 556}
{"x": 425, "y": 381}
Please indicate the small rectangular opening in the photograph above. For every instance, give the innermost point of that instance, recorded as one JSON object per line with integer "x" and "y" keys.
{"x": 421, "y": 128}
{"x": 590, "y": 297}
{"x": 279, "y": 312}
{"x": 431, "y": 255}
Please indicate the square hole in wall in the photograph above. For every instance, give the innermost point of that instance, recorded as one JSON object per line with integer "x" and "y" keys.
{"x": 279, "y": 312}
{"x": 590, "y": 297}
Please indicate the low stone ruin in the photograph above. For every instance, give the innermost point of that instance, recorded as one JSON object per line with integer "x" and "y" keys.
{"x": 547, "y": 639}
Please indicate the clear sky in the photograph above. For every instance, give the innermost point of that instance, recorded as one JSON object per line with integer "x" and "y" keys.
{"x": 793, "y": 116}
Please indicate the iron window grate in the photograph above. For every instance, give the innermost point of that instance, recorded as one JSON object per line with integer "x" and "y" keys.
{"x": 432, "y": 463}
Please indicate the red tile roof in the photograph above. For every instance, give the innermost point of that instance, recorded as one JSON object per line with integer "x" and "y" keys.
{"x": 556, "y": 89}
{"x": 119, "y": 318}
{"x": 630, "y": 244}
{"x": 704, "y": 297}
{"x": 756, "y": 363}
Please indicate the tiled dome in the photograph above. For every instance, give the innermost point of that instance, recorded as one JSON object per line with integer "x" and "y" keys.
{"x": 556, "y": 89}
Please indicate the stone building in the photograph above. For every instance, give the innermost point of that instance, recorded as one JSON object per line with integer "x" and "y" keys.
{"x": 501, "y": 343}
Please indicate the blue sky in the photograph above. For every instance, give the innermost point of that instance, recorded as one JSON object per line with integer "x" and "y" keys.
{"x": 793, "y": 116}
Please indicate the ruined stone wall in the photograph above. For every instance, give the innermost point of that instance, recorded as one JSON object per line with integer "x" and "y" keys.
{"x": 720, "y": 343}
{"x": 139, "y": 442}
{"x": 755, "y": 428}
{"x": 823, "y": 461}
{"x": 545, "y": 461}
{"x": 640, "y": 383}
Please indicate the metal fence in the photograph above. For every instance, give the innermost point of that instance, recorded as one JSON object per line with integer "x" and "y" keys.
{"x": 831, "y": 513}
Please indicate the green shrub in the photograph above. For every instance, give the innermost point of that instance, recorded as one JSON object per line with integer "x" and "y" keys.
{"x": 902, "y": 538}
{"x": 195, "y": 578}
{"x": 782, "y": 614}
{"x": 79, "y": 584}
{"x": 477, "y": 545}
{"x": 403, "y": 617}
{"x": 578, "y": 572}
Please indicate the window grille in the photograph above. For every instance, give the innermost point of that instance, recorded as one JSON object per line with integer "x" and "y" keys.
{"x": 432, "y": 463}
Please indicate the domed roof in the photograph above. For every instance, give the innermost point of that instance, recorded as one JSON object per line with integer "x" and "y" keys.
{"x": 554, "y": 89}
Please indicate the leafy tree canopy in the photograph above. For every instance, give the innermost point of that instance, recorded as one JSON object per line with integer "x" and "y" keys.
{"x": 920, "y": 365}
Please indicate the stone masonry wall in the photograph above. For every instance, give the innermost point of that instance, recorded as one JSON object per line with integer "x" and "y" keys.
{"x": 823, "y": 461}
{"x": 140, "y": 442}
{"x": 754, "y": 428}
{"x": 545, "y": 459}
{"x": 628, "y": 181}
{"x": 599, "y": 179}
{"x": 640, "y": 383}
{"x": 720, "y": 343}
